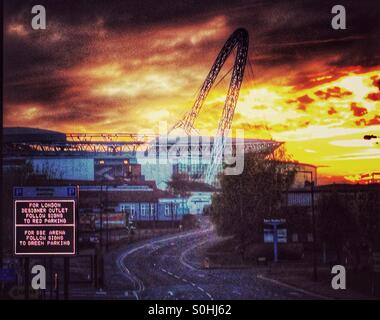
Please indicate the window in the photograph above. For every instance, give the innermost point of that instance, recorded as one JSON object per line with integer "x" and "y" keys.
{"x": 144, "y": 209}
{"x": 130, "y": 208}
{"x": 167, "y": 210}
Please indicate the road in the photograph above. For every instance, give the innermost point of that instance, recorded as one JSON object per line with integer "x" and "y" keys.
{"x": 168, "y": 268}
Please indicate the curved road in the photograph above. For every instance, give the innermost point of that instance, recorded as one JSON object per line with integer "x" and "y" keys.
{"x": 168, "y": 268}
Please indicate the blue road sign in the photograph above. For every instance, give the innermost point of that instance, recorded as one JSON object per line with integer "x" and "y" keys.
{"x": 44, "y": 192}
{"x": 275, "y": 223}
{"x": 71, "y": 191}
{"x": 18, "y": 192}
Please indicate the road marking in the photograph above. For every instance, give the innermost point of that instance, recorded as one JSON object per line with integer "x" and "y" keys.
{"x": 315, "y": 295}
{"x": 101, "y": 292}
{"x": 126, "y": 273}
{"x": 209, "y": 295}
{"x": 186, "y": 281}
{"x": 183, "y": 259}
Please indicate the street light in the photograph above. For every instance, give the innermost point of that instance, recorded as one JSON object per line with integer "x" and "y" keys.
{"x": 107, "y": 215}
{"x": 370, "y": 136}
{"x": 101, "y": 280}
{"x": 315, "y": 274}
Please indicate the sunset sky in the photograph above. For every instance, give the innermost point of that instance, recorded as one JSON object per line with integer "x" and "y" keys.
{"x": 123, "y": 66}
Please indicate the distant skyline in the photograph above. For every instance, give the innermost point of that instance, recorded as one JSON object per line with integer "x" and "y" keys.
{"x": 122, "y": 66}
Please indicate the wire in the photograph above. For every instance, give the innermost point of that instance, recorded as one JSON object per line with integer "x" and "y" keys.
{"x": 225, "y": 75}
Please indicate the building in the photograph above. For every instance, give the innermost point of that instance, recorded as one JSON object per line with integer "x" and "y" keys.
{"x": 368, "y": 178}
{"x": 136, "y": 203}
{"x": 298, "y": 205}
{"x": 116, "y": 157}
{"x": 131, "y": 169}
{"x": 166, "y": 156}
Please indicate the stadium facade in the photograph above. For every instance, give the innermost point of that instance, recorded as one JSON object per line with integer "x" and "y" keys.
{"x": 108, "y": 158}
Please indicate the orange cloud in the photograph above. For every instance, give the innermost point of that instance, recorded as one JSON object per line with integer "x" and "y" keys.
{"x": 128, "y": 81}
{"x": 374, "y": 121}
{"x": 358, "y": 111}
{"x": 334, "y": 92}
{"x": 374, "y": 96}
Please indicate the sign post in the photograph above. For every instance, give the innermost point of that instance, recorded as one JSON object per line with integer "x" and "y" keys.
{"x": 275, "y": 223}
{"x": 26, "y": 278}
{"x": 45, "y": 224}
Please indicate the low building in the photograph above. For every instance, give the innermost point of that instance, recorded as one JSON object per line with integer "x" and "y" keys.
{"x": 298, "y": 205}
{"x": 137, "y": 203}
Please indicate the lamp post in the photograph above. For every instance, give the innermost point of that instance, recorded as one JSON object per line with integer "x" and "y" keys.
{"x": 107, "y": 215}
{"x": 315, "y": 271}
{"x": 101, "y": 280}
{"x": 370, "y": 136}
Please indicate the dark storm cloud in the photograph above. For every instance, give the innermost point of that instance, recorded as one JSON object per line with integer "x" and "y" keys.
{"x": 119, "y": 15}
{"x": 282, "y": 33}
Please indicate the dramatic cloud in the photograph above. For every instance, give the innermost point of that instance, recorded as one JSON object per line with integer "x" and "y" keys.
{"x": 358, "y": 111}
{"x": 123, "y": 66}
{"x": 334, "y": 92}
{"x": 374, "y": 121}
{"x": 374, "y": 96}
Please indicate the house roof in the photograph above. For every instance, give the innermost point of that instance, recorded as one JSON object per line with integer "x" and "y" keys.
{"x": 116, "y": 196}
{"x": 94, "y": 197}
{"x": 340, "y": 188}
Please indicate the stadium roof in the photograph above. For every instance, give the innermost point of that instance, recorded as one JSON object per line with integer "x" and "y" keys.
{"x": 24, "y": 134}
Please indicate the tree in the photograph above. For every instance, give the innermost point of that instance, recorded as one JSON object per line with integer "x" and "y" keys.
{"x": 245, "y": 200}
{"x": 180, "y": 186}
{"x": 368, "y": 216}
{"x": 337, "y": 223}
